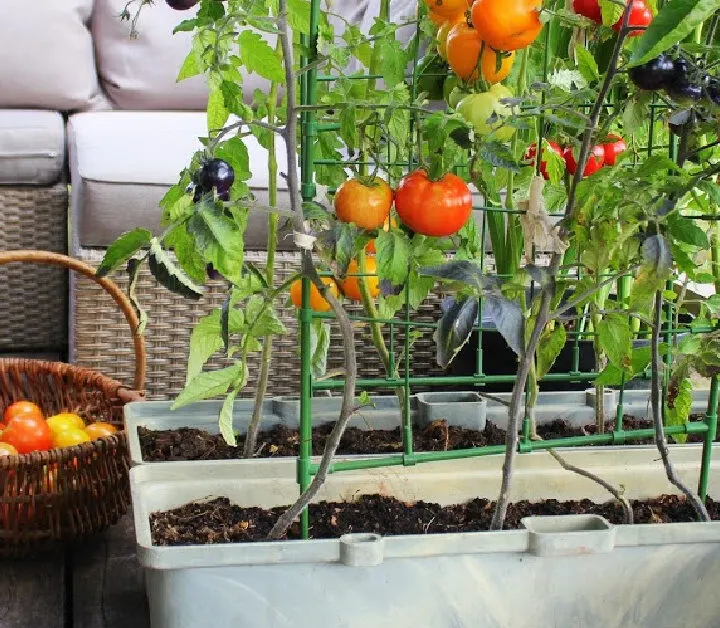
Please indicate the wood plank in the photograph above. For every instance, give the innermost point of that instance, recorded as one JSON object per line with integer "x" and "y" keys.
{"x": 108, "y": 585}
{"x": 32, "y": 592}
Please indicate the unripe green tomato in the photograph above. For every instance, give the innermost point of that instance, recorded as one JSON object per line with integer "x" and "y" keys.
{"x": 450, "y": 84}
{"x": 478, "y": 109}
{"x": 455, "y": 96}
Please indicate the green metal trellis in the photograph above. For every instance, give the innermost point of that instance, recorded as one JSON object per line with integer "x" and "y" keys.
{"x": 306, "y": 468}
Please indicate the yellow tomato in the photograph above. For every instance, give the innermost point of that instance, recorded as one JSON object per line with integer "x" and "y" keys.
{"x": 63, "y": 421}
{"x": 69, "y": 437}
{"x": 99, "y": 429}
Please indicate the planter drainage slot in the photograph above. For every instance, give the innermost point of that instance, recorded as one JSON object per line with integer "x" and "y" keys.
{"x": 362, "y": 549}
{"x": 464, "y": 409}
{"x": 565, "y": 535}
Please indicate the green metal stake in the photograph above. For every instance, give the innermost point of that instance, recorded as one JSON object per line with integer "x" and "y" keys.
{"x": 711, "y": 422}
{"x": 303, "y": 470}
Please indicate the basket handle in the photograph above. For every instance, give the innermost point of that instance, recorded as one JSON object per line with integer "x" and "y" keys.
{"x": 57, "y": 259}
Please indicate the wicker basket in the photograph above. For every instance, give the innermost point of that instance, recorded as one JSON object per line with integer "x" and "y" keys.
{"x": 63, "y": 495}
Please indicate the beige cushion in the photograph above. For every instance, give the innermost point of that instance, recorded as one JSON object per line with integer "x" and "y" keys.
{"x": 46, "y": 55}
{"x": 32, "y": 147}
{"x": 123, "y": 162}
{"x": 141, "y": 73}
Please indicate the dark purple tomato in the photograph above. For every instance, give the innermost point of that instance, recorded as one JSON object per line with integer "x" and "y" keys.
{"x": 713, "y": 91}
{"x": 182, "y": 5}
{"x": 654, "y": 74}
{"x": 217, "y": 174}
{"x": 680, "y": 87}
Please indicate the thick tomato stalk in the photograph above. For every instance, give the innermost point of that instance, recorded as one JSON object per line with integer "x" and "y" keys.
{"x": 433, "y": 208}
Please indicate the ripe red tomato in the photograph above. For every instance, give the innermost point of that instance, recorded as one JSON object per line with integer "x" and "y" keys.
{"x": 640, "y": 15}
{"x": 588, "y": 8}
{"x": 21, "y": 408}
{"x": 532, "y": 152}
{"x": 595, "y": 162}
{"x": 28, "y": 433}
{"x": 614, "y": 149}
{"x": 433, "y": 208}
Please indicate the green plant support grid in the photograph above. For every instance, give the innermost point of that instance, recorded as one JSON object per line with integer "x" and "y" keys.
{"x": 310, "y": 128}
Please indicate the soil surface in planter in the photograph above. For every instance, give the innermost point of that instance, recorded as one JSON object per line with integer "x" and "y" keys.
{"x": 219, "y": 521}
{"x": 194, "y": 444}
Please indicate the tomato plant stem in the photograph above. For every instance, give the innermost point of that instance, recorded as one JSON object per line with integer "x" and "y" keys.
{"x": 657, "y": 404}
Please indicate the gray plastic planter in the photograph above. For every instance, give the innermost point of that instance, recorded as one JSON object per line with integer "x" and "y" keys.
{"x": 562, "y": 572}
{"x": 575, "y": 407}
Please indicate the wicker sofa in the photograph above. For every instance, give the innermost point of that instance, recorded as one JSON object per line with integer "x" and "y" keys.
{"x": 99, "y": 111}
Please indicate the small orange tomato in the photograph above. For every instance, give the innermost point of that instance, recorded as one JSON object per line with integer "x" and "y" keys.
{"x": 100, "y": 429}
{"x": 351, "y": 285}
{"x": 444, "y": 31}
{"x": 317, "y": 301}
{"x": 366, "y": 203}
{"x": 22, "y": 408}
{"x": 447, "y": 8}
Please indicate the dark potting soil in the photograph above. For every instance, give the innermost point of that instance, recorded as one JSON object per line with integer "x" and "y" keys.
{"x": 219, "y": 521}
{"x": 193, "y": 444}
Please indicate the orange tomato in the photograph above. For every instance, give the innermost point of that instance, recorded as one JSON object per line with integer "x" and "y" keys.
{"x": 100, "y": 429}
{"x": 370, "y": 246}
{"x": 28, "y": 432}
{"x": 365, "y": 203}
{"x": 463, "y": 50}
{"x": 488, "y": 65}
{"x": 6, "y": 449}
{"x": 351, "y": 285}
{"x": 69, "y": 437}
{"x": 507, "y": 24}
{"x": 444, "y": 31}
{"x": 447, "y": 8}
{"x": 317, "y": 301}
{"x": 436, "y": 19}
{"x": 22, "y": 408}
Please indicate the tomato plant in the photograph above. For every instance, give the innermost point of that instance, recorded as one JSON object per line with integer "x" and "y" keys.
{"x": 433, "y": 208}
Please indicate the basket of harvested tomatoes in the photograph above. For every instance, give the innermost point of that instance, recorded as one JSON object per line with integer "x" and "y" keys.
{"x": 64, "y": 464}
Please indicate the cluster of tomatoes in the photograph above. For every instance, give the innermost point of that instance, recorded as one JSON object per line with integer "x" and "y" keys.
{"x": 677, "y": 78}
{"x": 426, "y": 206}
{"x": 605, "y": 154}
{"x": 25, "y": 429}
{"x": 640, "y": 14}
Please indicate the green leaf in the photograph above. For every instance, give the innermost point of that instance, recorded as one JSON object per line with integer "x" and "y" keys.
{"x": 193, "y": 65}
{"x": 299, "y": 15}
{"x": 636, "y": 113}
{"x": 454, "y": 328}
{"x": 122, "y": 250}
{"x": 675, "y": 21}
{"x": 205, "y": 341}
{"x": 258, "y": 56}
{"x": 611, "y": 375}
{"x": 319, "y": 346}
{"x": 611, "y": 12}
{"x": 219, "y": 240}
{"x": 679, "y": 406}
{"x": 393, "y": 255}
{"x": 551, "y": 343}
{"x": 217, "y": 112}
{"x": 225, "y": 420}
{"x": 263, "y": 319}
{"x": 183, "y": 245}
{"x": 686, "y": 230}
{"x": 169, "y": 274}
{"x": 586, "y": 63}
{"x": 615, "y": 337}
{"x": 208, "y": 385}
{"x": 498, "y": 155}
{"x": 641, "y": 357}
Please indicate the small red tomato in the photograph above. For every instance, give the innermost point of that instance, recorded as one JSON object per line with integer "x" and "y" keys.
{"x": 595, "y": 162}
{"x": 532, "y": 152}
{"x": 614, "y": 149}
{"x": 21, "y": 408}
{"x": 588, "y": 8}
{"x": 640, "y": 15}
{"x": 28, "y": 433}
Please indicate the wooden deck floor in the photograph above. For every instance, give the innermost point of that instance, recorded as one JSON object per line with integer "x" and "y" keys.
{"x": 99, "y": 585}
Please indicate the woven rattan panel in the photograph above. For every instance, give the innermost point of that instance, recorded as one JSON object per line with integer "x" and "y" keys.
{"x": 33, "y": 306}
{"x": 102, "y": 340}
